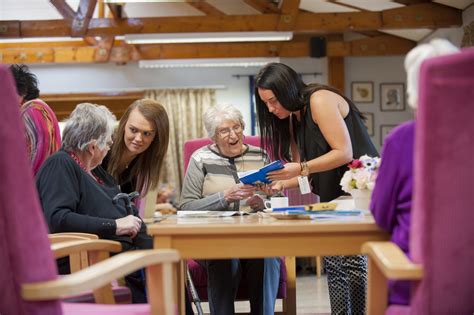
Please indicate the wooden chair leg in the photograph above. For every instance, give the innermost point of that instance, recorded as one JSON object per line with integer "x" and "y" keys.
{"x": 318, "y": 266}
{"x": 289, "y": 304}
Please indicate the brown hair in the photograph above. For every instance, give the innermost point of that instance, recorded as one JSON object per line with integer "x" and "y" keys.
{"x": 146, "y": 169}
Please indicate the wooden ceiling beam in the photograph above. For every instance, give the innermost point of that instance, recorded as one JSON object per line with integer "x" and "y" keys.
{"x": 206, "y": 7}
{"x": 263, "y": 6}
{"x": 383, "y": 45}
{"x": 122, "y": 53}
{"x": 426, "y": 15}
{"x": 82, "y": 18}
{"x": 41, "y": 55}
{"x": 224, "y": 50}
{"x": 68, "y": 14}
{"x": 116, "y": 10}
{"x": 289, "y": 12}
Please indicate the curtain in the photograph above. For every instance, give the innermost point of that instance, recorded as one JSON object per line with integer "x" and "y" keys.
{"x": 185, "y": 108}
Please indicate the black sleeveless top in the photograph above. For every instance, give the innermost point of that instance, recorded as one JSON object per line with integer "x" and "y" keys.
{"x": 312, "y": 144}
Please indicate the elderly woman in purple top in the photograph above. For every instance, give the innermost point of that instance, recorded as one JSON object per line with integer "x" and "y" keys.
{"x": 392, "y": 195}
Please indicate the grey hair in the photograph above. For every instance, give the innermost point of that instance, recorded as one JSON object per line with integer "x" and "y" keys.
{"x": 216, "y": 115}
{"x": 414, "y": 59}
{"x": 86, "y": 123}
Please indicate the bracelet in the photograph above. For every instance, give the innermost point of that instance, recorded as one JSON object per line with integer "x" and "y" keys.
{"x": 304, "y": 169}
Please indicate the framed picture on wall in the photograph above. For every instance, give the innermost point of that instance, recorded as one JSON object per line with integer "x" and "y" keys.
{"x": 362, "y": 92}
{"x": 369, "y": 123}
{"x": 392, "y": 97}
{"x": 384, "y": 131}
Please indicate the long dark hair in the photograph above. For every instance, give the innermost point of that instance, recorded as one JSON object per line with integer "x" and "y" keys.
{"x": 293, "y": 94}
{"x": 287, "y": 85}
{"x": 147, "y": 168}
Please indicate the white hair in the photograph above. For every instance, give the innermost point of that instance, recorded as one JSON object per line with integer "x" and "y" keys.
{"x": 86, "y": 123}
{"x": 414, "y": 59}
{"x": 216, "y": 115}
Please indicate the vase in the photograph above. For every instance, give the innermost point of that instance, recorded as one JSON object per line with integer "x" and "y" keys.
{"x": 361, "y": 198}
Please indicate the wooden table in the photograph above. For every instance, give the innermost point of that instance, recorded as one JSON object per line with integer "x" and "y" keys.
{"x": 253, "y": 236}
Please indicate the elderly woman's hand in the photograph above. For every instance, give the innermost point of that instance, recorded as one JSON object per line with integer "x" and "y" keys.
{"x": 129, "y": 225}
{"x": 289, "y": 171}
{"x": 239, "y": 192}
{"x": 255, "y": 203}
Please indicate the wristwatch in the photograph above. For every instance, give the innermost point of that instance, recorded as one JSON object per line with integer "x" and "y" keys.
{"x": 304, "y": 169}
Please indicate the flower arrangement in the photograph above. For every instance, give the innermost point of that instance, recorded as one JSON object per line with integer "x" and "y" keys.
{"x": 361, "y": 174}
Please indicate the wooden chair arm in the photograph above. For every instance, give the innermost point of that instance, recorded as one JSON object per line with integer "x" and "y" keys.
{"x": 99, "y": 274}
{"x": 386, "y": 261}
{"x": 54, "y": 239}
{"x": 79, "y": 234}
{"x": 64, "y": 249}
{"x": 392, "y": 261}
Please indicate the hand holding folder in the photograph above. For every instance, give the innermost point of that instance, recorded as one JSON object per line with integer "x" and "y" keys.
{"x": 259, "y": 176}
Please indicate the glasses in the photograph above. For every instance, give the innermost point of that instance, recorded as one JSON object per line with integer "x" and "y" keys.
{"x": 225, "y": 132}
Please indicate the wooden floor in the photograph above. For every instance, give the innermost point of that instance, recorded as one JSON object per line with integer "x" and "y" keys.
{"x": 312, "y": 297}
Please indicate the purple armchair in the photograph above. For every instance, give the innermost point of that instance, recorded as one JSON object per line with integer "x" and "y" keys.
{"x": 198, "y": 273}
{"x": 28, "y": 274}
{"x": 442, "y": 237}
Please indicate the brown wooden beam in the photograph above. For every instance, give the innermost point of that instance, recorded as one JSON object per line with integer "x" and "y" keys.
{"x": 10, "y": 29}
{"x": 40, "y": 45}
{"x": 41, "y": 55}
{"x": 122, "y": 53}
{"x": 206, "y": 8}
{"x": 263, "y": 6}
{"x": 68, "y": 14}
{"x": 338, "y": 22}
{"x": 289, "y": 12}
{"x": 82, "y": 17}
{"x": 336, "y": 73}
{"x": 429, "y": 15}
{"x": 425, "y": 15}
{"x": 116, "y": 10}
{"x": 223, "y": 50}
{"x": 64, "y": 104}
{"x": 383, "y": 45}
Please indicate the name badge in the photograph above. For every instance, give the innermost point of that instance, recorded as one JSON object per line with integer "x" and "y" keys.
{"x": 304, "y": 185}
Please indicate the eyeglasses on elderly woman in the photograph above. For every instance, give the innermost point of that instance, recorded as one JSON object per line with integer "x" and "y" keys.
{"x": 225, "y": 132}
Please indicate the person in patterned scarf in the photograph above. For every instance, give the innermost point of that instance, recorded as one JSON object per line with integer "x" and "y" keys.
{"x": 41, "y": 125}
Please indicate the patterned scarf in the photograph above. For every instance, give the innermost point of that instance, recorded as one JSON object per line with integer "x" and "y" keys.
{"x": 42, "y": 131}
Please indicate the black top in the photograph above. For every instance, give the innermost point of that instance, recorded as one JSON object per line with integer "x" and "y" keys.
{"x": 312, "y": 144}
{"x": 73, "y": 201}
{"x": 126, "y": 182}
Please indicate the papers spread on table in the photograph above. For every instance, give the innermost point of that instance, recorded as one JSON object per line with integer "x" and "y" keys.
{"x": 259, "y": 176}
{"x": 321, "y": 215}
{"x": 208, "y": 214}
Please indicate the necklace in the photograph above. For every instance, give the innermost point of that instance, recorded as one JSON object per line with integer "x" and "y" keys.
{"x": 76, "y": 159}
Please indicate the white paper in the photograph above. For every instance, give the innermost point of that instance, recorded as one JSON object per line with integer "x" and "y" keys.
{"x": 206, "y": 214}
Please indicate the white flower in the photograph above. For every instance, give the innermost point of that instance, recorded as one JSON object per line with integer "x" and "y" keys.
{"x": 361, "y": 174}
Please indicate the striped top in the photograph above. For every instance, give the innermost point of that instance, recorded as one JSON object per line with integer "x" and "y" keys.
{"x": 42, "y": 131}
{"x": 209, "y": 173}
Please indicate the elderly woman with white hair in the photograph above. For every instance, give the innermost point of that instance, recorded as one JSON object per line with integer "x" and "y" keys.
{"x": 75, "y": 200}
{"x": 392, "y": 195}
{"x": 212, "y": 183}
